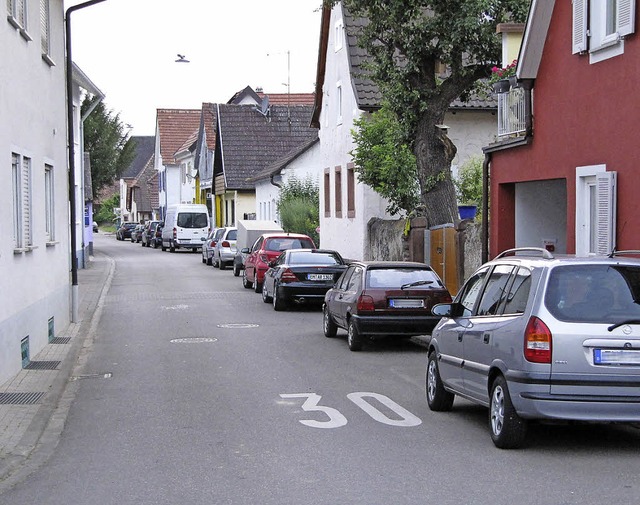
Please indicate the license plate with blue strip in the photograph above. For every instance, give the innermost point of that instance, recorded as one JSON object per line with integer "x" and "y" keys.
{"x": 616, "y": 357}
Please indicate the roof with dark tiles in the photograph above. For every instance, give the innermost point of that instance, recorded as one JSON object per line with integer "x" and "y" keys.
{"x": 281, "y": 163}
{"x": 175, "y": 126}
{"x": 144, "y": 149}
{"x": 250, "y": 141}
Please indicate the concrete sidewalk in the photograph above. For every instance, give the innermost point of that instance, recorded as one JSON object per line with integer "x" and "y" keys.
{"x": 43, "y": 396}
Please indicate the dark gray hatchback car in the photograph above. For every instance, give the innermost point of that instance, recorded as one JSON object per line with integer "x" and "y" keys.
{"x": 533, "y": 336}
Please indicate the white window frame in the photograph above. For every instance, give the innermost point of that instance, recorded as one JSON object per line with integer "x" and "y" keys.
{"x": 17, "y": 15}
{"x": 16, "y": 178}
{"x": 49, "y": 202}
{"x": 590, "y": 31}
{"x": 596, "y": 190}
{"x": 45, "y": 31}
{"x": 339, "y": 104}
{"x": 338, "y": 35}
{"x": 21, "y": 168}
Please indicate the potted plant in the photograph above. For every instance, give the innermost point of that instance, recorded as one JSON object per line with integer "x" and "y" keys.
{"x": 503, "y": 79}
{"x": 468, "y": 186}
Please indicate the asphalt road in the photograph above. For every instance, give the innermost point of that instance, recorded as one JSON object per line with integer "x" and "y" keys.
{"x": 196, "y": 392}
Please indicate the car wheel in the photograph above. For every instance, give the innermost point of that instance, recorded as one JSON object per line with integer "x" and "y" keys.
{"x": 278, "y": 303}
{"x": 236, "y": 270}
{"x": 208, "y": 261}
{"x": 245, "y": 282}
{"x": 164, "y": 248}
{"x": 204, "y": 260}
{"x": 508, "y": 429}
{"x": 257, "y": 286}
{"x": 354, "y": 339}
{"x": 221, "y": 264}
{"x": 172, "y": 247}
{"x": 330, "y": 328}
{"x": 438, "y": 398}
{"x": 265, "y": 295}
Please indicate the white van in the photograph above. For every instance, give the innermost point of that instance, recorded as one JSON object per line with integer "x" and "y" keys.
{"x": 185, "y": 226}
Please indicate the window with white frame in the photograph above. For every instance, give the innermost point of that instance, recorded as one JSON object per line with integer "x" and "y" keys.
{"x": 339, "y": 102}
{"x": 49, "y": 203}
{"x": 17, "y": 13}
{"x": 599, "y": 27}
{"x": 595, "y": 210}
{"x": 45, "y": 31}
{"x": 338, "y": 38}
{"x": 21, "y": 189}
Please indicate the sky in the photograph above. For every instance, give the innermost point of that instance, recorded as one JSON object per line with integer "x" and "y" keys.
{"x": 128, "y": 49}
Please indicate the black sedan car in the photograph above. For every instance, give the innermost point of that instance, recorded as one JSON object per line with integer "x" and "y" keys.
{"x": 124, "y": 232}
{"x": 302, "y": 276}
{"x": 383, "y": 298}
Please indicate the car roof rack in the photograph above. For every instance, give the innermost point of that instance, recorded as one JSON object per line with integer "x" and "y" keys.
{"x": 514, "y": 252}
{"x": 622, "y": 253}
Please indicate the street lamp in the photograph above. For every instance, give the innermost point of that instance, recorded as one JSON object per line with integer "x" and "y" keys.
{"x": 72, "y": 156}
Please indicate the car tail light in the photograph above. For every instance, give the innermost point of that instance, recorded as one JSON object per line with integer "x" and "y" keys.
{"x": 225, "y": 244}
{"x": 365, "y": 304}
{"x": 288, "y": 276}
{"x": 537, "y": 341}
{"x": 175, "y": 233}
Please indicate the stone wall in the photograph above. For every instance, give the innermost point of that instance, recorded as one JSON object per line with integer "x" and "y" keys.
{"x": 385, "y": 240}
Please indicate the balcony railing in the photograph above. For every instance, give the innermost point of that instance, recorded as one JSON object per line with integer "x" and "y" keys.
{"x": 511, "y": 113}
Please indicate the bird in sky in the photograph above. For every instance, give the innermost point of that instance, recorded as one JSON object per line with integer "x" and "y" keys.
{"x": 182, "y": 59}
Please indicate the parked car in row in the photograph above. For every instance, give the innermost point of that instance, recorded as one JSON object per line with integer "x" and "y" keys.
{"x": 124, "y": 231}
{"x": 533, "y": 336}
{"x": 383, "y": 298}
{"x": 266, "y": 248}
{"x": 208, "y": 244}
{"x": 149, "y": 233}
{"x": 136, "y": 233}
{"x": 225, "y": 248}
{"x": 302, "y": 276}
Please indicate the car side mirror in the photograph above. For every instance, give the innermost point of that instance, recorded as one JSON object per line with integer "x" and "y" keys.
{"x": 272, "y": 264}
{"x": 442, "y": 310}
{"x": 244, "y": 250}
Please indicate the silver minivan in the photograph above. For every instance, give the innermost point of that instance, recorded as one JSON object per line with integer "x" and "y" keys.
{"x": 533, "y": 336}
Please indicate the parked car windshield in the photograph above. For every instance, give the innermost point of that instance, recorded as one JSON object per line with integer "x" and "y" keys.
{"x": 192, "y": 220}
{"x": 396, "y": 277}
{"x": 232, "y": 235}
{"x": 308, "y": 257}
{"x": 284, "y": 243}
{"x": 594, "y": 293}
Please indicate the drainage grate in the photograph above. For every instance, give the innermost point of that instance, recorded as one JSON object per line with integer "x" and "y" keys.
{"x": 20, "y": 398}
{"x": 61, "y": 340}
{"x": 42, "y": 365}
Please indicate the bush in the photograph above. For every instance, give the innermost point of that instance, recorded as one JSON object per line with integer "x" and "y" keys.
{"x": 469, "y": 182}
{"x": 298, "y": 207}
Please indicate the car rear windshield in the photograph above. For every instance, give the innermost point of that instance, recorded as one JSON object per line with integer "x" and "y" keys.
{"x": 192, "y": 220}
{"x": 284, "y": 243}
{"x": 311, "y": 258}
{"x": 594, "y": 293}
{"x": 399, "y": 277}
{"x": 232, "y": 235}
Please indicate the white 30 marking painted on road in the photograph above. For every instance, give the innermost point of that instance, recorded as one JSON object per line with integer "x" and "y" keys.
{"x": 336, "y": 419}
{"x": 407, "y": 418}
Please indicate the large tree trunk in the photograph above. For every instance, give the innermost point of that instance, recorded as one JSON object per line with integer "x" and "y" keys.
{"x": 434, "y": 152}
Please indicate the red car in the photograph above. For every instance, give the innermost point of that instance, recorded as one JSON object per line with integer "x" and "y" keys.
{"x": 383, "y": 298}
{"x": 266, "y": 249}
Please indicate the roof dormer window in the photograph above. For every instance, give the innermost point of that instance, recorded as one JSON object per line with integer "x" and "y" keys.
{"x": 338, "y": 36}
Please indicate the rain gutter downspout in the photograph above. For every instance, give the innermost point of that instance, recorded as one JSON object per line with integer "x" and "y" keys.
{"x": 72, "y": 154}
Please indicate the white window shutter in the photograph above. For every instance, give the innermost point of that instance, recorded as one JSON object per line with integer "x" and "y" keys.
{"x": 626, "y": 17}
{"x": 579, "y": 32}
{"x": 606, "y": 212}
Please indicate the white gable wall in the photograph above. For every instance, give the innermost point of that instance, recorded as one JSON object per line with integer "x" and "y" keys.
{"x": 33, "y": 125}
{"x": 345, "y": 234}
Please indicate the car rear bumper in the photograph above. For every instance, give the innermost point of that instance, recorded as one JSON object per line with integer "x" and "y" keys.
{"x": 303, "y": 293}
{"x": 395, "y": 325}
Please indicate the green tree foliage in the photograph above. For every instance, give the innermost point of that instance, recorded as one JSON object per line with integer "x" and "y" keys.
{"x": 408, "y": 41}
{"x": 384, "y": 161}
{"x": 105, "y": 212}
{"x": 469, "y": 182}
{"x": 107, "y": 142}
{"x": 298, "y": 207}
